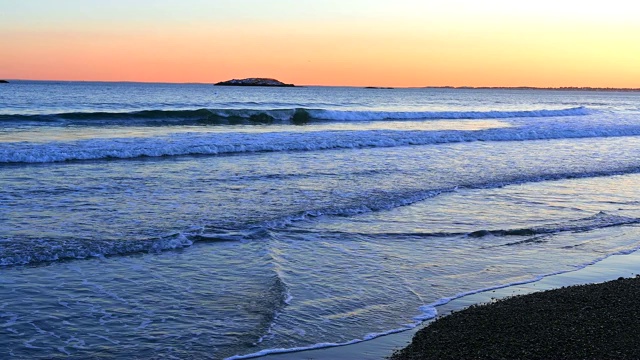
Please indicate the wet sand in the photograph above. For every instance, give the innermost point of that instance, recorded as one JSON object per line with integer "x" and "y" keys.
{"x": 381, "y": 348}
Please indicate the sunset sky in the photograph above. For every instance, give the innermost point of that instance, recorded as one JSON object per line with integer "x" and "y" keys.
{"x": 325, "y": 42}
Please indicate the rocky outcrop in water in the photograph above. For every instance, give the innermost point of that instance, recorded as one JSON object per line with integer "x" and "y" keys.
{"x": 254, "y": 82}
{"x": 4, "y": 82}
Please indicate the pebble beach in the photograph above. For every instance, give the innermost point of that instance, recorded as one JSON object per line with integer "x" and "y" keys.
{"x": 595, "y": 321}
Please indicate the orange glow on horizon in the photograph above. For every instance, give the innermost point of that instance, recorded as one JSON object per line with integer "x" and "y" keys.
{"x": 465, "y": 51}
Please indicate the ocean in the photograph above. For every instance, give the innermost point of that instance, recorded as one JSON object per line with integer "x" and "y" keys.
{"x": 183, "y": 221}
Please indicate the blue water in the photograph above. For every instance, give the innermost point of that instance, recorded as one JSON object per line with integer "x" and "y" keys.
{"x": 193, "y": 221}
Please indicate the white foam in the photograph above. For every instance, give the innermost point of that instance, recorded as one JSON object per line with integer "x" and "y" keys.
{"x": 427, "y": 312}
{"x": 288, "y": 299}
{"x": 211, "y": 143}
{"x": 63, "y": 350}
{"x": 311, "y": 214}
{"x": 95, "y": 249}
{"x": 341, "y": 115}
{"x": 13, "y": 318}
{"x": 289, "y": 350}
{"x": 144, "y": 324}
{"x": 28, "y": 345}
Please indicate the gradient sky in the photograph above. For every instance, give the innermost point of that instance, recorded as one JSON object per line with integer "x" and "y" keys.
{"x": 325, "y": 42}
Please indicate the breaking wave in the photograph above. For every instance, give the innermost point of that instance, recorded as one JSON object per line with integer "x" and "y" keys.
{"x": 32, "y": 251}
{"x": 297, "y": 116}
{"x": 211, "y": 143}
{"x": 532, "y": 234}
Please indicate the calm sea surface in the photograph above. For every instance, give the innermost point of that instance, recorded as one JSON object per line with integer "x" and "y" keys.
{"x": 193, "y": 221}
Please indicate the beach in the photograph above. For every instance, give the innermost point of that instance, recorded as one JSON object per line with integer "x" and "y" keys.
{"x": 194, "y": 221}
{"x": 319, "y": 180}
{"x": 577, "y": 312}
{"x": 596, "y": 321}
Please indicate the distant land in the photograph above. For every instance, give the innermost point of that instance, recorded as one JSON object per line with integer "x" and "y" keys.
{"x": 277, "y": 83}
{"x": 254, "y": 82}
{"x": 565, "y": 88}
{"x": 4, "y": 82}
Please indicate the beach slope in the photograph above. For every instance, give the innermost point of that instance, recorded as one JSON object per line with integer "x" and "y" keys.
{"x": 595, "y": 321}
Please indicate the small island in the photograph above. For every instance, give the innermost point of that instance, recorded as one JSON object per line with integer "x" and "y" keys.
{"x": 4, "y": 82}
{"x": 254, "y": 82}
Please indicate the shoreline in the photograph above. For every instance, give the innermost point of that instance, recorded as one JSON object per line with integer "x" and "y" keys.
{"x": 608, "y": 269}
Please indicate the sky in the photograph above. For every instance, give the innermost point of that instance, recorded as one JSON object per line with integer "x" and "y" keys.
{"x": 543, "y": 43}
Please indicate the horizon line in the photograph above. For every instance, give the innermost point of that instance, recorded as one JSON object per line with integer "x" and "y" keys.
{"x": 461, "y": 87}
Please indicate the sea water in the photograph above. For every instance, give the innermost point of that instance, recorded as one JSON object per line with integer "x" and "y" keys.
{"x": 192, "y": 221}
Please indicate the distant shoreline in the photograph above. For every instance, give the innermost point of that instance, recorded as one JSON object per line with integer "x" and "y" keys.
{"x": 562, "y": 88}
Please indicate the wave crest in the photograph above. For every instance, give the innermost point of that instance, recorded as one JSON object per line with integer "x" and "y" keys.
{"x": 296, "y": 116}
{"x": 212, "y": 143}
{"x": 339, "y": 115}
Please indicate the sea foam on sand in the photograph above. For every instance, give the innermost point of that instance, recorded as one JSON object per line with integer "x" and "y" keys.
{"x": 610, "y": 268}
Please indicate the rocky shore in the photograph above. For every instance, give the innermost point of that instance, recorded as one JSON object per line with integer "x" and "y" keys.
{"x": 596, "y": 321}
{"x": 254, "y": 82}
